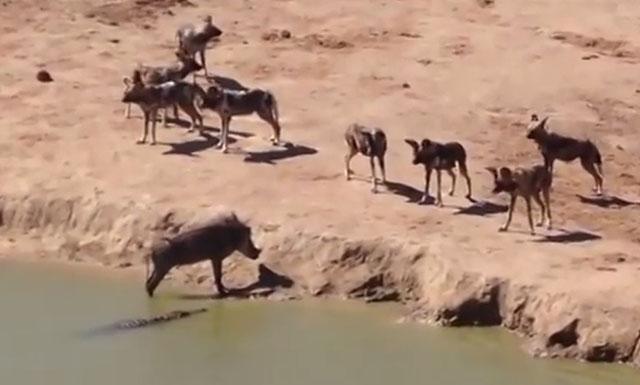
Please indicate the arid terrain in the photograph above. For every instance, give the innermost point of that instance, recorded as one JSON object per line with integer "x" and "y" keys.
{"x": 465, "y": 70}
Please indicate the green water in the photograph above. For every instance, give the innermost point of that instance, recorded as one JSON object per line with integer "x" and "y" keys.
{"x": 48, "y": 310}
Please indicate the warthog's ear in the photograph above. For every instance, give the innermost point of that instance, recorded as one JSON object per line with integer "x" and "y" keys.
{"x": 493, "y": 171}
{"x": 412, "y": 143}
{"x": 505, "y": 173}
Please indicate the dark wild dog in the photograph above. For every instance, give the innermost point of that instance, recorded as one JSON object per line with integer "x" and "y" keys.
{"x": 213, "y": 241}
{"x": 554, "y": 146}
{"x": 229, "y": 103}
{"x": 438, "y": 156}
{"x": 527, "y": 182}
{"x": 148, "y": 75}
{"x": 153, "y": 97}
{"x": 370, "y": 142}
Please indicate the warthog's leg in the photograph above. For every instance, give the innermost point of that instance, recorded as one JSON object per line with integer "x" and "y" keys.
{"x": 216, "y": 264}
{"x": 512, "y": 206}
{"x": 154, "y": 280}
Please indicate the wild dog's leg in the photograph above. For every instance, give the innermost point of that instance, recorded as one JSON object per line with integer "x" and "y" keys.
{"x": 127, "y": 111}
{"x": 351, "y": 152}
{"x": 439, "y": 183}
{"x": 176, "y": 114}
{"x": 221, "y": 135}
{"x": 204, "y": 62}
{"x": 143, "y": 138}
{"x": 381, "y": 164}
{"x": 536, "y": 197}
{"x": 194, "y": 115}
{"x": 164, "y": 117}
{"x": 512, "y": 206}
{"x": 590, "y": 167}
{"x": 153, "y": 127}
{"x": 463, "y": 171}
{"x": 529, "y": 216}
{"x": 154, "y": 280}
{"x": 427, "y": 179}
{"x": 374, "y": 180}
{"x": 265, "y": 113}
{"x": 547, "y": 203}
{"x": 226, "y": 123}
{"x": 453, "y": 181}
{"x": 217, "y": 275}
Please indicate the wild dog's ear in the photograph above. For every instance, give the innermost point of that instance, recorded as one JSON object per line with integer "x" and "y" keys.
{"x": 534, "y": 117}
{"x": 168, "y": 240}
{"x": 505, "y": 173}
{"x": 127, "y": 81}
{"x": 493, "y": 171}
{"x": 413, "y": 144}
{"x": 425, "y": 143}
{"x": 543, "y": 122}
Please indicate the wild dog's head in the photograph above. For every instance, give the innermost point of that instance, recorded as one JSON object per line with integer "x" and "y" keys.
{"x": 420, "y": 151}
{"x": 537, "y": 128}
{"x": 134, "y": 91}
{"x": 502, "y": 179}
{"x": 214, "y": 96}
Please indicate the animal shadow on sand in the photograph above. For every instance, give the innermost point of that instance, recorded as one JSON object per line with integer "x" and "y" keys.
{"x": 290, "y": 150}
{"x": 567, "y": 236}
{"x": 185, "y": 123}
{"x": 267, "y": 283}
{"x": 482, "y": 208}
{"x": 412, "y": 194}
{"x": 607, "y": 201}
{"x": 191, "y": 147}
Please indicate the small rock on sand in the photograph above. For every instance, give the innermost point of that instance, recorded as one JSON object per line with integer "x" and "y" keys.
{"x": 44, "y": 76}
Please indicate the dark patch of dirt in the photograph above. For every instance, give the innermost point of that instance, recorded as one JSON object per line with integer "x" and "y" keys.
{"x": 325, "y": 41}
{"x": 612, "y": 48}
{"x": 138, "y": 12}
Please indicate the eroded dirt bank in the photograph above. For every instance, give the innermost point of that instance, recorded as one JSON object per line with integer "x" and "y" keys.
{"x": 554, "y": 321}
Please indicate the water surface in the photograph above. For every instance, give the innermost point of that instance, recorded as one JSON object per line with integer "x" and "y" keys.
{"x": 47, "y": 310}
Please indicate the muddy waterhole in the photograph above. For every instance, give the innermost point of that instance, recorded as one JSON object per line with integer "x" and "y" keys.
{"x": 49, "y": 311}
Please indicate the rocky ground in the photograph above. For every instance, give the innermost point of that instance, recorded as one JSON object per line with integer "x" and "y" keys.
{"x": 448, "y": 70}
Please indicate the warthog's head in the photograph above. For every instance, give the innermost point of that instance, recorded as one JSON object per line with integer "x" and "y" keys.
{"x": 419, "y": 150}
{"x": 536, "y": 128}
{"x": 245, "y": 244}
{"x": 502, "y": 180}
{"x": 189, "y": 63}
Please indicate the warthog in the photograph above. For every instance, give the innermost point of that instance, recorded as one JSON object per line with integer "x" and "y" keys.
{"x": 214, "y": 241}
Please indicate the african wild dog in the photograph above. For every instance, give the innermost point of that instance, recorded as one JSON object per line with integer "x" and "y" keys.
{"x": 193, "y": 39}
{"x": 153, "y": 97}
{"x": 229, "y": 103}
{"x": 370, "y": 142}
{"x": 438, "y": 156}
{"x": 527, "y": 182}
{"x": 214, "y": 241}
{"x": 554, "y": 146}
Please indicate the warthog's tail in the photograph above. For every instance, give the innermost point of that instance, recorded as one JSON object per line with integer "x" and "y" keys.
{"x": 273, "y": 104}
